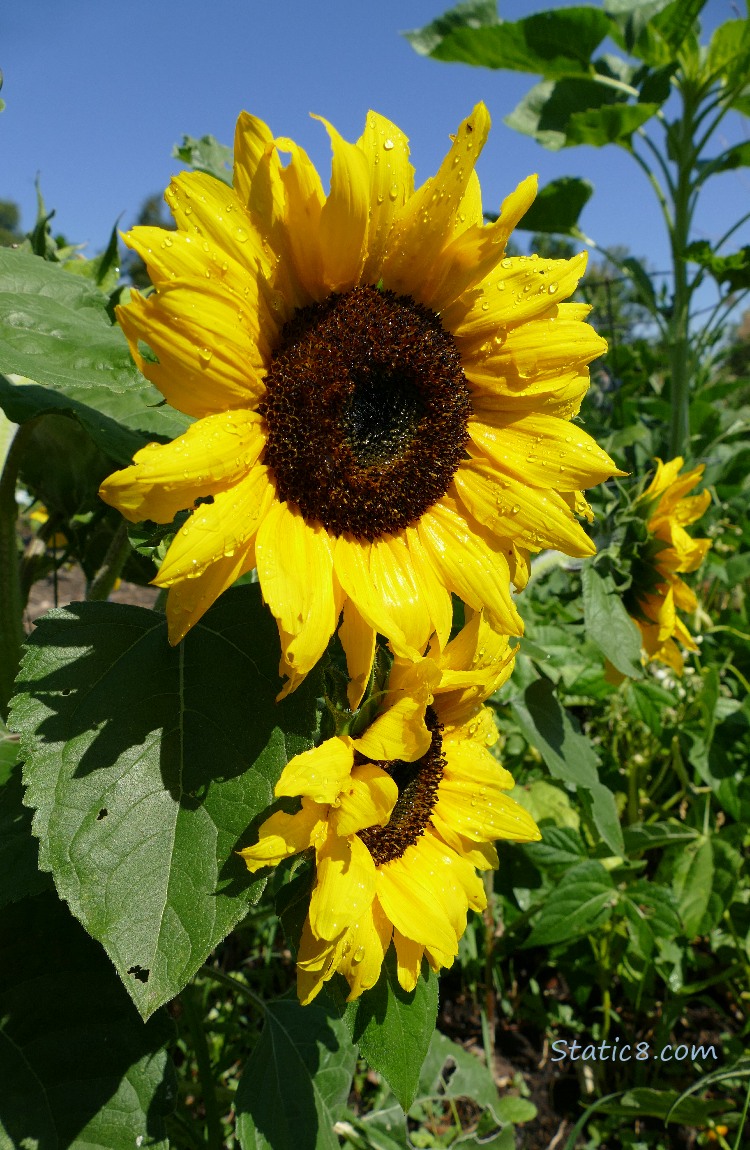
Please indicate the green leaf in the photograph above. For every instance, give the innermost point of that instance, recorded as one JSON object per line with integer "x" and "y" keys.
{"x": 652, "y": 913}
{"x": 649, "y": 836}
{"x": 553, "y": 43}
{"x": 104, "y": 270}
{"x": 693, "y": 876}
{"x": 558, "y": 206}
{"x": 296, "y": 1081}
{"x": 644, "y": 1102}
{"x": 19, "y": 852}
{"x": 545, "y": 111}
{"x": 732, "y": 270}
{"x": 9, "y": 753}
{"x": 642, "y": 282}
{"x": 206, "y": 155}
{"x": 392, "y": 1027}
{"x": 583, "y": 900}
{"x": 56, "y": 333}
{"x": 738, "y": 156}
{"x": 146, "y": 764}
{"x": 449, "y": 1071}
{"x": 729, "y": 51}
{"x": 472, "y": 14}
{"x": 78, "y": 1067}
{"x": 608, "y": 624}
{"x": 568, "y": 754}
{"x": 609, "y": 124}
{"x": 560, "y": 848}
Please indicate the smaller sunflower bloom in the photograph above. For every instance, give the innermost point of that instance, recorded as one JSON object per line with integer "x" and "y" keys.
{"x": 658, "y": 592}
{"x": 400, "y": 819}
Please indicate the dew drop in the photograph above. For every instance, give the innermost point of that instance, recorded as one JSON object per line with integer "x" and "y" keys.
{"x": 485, "y": 305}
{"x": 506, "y": 263}
{"x": 393, "y": 193}
{"x": 552, "y": 289}
{"x": 388, "y": 145}
{"x": 167, "y": 242}
{"x": 359, "y": 954}
{"x": 188, "y": 210}
{"x": 241, "y": 235}
{"x": 205, "y": 355}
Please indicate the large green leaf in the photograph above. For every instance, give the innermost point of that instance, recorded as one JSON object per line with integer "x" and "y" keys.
{"x": 392, "y": 1028}
{"x": 608, "y": 624}
{"x": 56, "y": 332}
{"x": 449, "y": 1071}
{"x": 583, "y": 900}
{"x": 610, "y": 124}
{"x": 297, "y": 1080}
{"x": 568, "y": 754}
{"x": 553, "y": 43}
{"x": 206, "y": 155}
{"x": 557, "y": 206}
{"x": 729, "y": 51}
{"x": 146, "y": 764}
{"x": 545, "y": 112}
{"x": 78, "y": 1068}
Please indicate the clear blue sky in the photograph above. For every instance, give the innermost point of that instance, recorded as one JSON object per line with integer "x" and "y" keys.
{"x": 97, "y": 93}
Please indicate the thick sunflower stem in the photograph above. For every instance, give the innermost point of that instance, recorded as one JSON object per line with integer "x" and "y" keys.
{"x": 679, "y": 324}
{"x": 117, "y": 553}
{"x": 11, "y": 600}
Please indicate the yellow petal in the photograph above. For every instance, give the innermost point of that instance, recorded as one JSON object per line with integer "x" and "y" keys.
{"x": 283, "y": 835}
{"x": 408, "y": 960}
{"x": 367, "y": 942}
{"x": 413, "y": 908}
{"x": 510, "y": 509}
{"x": 219, "y": 529}
{"x": 530, "y": 286}
{"x": 351, "y": 559}
{"x": 476, "y": 251}
{"x": 398, "y": 733}
{"x": 345, "y": 885}
{"x": 208, "y": 346}
{"x": 391, "y": 179}
{"x": 395, "y": 581}
{"x": 295, "y": 570}
{"x": 432, "y": 589}
{"x": 213, "y": 216}
{"x": 320, "y": 773}
{"x": 343, "y": 219}
{"x": 544, "y": 452}
{"x": 317, "y": 962}
{"x": 469, "y": 567}
{"x": 424, "y": 225}
{"x": 481, "y": 855}
{"x": 189, "y": 600}
{"x": 475, "y": 805}
{"x": 214, "y": 453}
{"x": 358, "y": 640}
{"x": 365, "y": 800}
{"x": 304, "y": 197}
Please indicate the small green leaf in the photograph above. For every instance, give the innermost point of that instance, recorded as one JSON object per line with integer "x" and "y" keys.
{"x": 560, "y": 848}
{"x": 77, "y": 1065}
{"x": 296, "y": 1081}
{"x": 609, "y": 124}
{"x": 55, "y": 333}
{"x": 569, "y": 755}
{"x": 553, "y": 43}
{"x": 693, "y": 876}
{"x": 729, "y": 51}
{"x": 642, "y": 282}
{"x": 206, "y": 155}
{"x": 583, "y": 900}
{"x": 146, "y": 768}
{"x": 392, "y": 1028}
{"x": 608, "y": 625}
{"x": 732, "y": 270}
{"x": 676, "y": 22}
{"x": 558, "y": 206}
{"x": 650, "y": 836}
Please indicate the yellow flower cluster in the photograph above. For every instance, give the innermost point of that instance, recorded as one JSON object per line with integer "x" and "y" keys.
{"x": 383, "y": 403}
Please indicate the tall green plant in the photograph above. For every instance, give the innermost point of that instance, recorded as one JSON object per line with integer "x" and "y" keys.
{"x": 662, "y": 100}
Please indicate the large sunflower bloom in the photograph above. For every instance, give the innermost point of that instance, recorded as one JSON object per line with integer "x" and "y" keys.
{"x": 400, "y": 818}
{"x": 383, "y": 397}
{"x": 658, "y": 592}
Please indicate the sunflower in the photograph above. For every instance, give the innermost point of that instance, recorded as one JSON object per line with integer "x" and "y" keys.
{"x": 383, "y": 398}
{"x": 658, "y": 592}
{"x": 399, "y": 818}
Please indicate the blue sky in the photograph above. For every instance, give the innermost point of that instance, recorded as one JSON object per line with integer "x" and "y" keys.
{"x": 97, "y": 93}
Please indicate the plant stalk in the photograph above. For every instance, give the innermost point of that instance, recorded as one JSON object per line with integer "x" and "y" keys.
{"x": 11, "y": 600}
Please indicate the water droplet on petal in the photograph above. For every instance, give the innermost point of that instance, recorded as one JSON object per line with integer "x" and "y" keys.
{"x": 388, "y": 145}
{"x": 552, "y": 289}
{"x": 205, "y": 355}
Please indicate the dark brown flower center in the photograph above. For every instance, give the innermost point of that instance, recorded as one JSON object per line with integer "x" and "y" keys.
{"x": 366, "y": 408}
{"x": 417, "y": 794}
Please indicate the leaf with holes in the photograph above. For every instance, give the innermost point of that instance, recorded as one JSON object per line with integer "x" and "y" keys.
{"x": 146, "y": 764}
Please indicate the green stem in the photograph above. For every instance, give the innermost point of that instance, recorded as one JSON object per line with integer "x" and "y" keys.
{"x": 114, "y": 561}
{"x": 191, "y": 1002}
{"x": 490, "y": 999}
{"x": 679, "y": 343}
{"x": 11, "y": 600}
